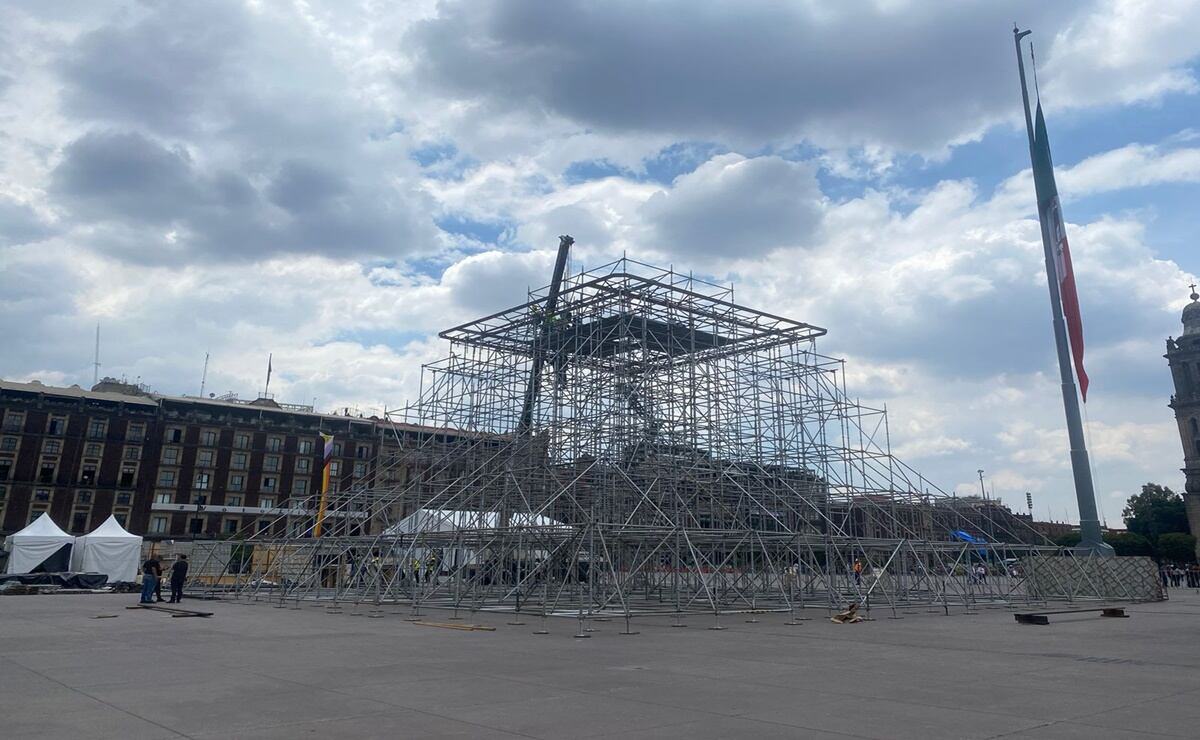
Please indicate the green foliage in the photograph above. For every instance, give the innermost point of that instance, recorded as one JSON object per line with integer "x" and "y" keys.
{"x": 1177, "y": 547}
{"x": 1070, "y": 539}
{"x": 1155, "y": 511}
{"x": 1123, "y": 543}
{"x": 1129, "y": 543}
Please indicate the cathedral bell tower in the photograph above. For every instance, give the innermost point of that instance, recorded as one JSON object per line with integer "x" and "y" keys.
{"x": 1183, "y": 355}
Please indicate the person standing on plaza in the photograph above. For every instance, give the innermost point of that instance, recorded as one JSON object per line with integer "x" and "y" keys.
{"x": 179, "y": 570}
{"x": 158, "y": 579}
{"x": 858, "y": 570}
{"x": 150, "y": 573}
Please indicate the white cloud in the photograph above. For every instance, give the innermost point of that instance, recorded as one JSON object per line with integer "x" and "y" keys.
{"x": 256, "y": 191}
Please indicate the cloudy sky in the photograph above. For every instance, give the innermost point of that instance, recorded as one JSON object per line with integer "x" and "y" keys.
{"x": 334, "y": 182}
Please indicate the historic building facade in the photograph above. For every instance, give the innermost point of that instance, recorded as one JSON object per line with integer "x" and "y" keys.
{"x": 172, "y": 466}
{"x": 1183, "y": 355}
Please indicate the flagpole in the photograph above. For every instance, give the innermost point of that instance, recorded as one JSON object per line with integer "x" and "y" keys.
{"x": 1090, "y": 539}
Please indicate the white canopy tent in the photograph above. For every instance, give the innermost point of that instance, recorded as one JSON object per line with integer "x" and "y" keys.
{"x": 108, "y": 549}
{"x": 40, "y": 548}
{"x": 450, "y": 520}
{"x": 424, "y": 522}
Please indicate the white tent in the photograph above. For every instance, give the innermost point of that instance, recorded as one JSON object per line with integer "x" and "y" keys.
{"x": 110, "y": 550}
{"x": 40, "y": 548}
{"x": 450, "y": 520}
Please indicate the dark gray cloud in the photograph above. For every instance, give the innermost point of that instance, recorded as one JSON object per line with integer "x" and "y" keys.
{"x": 158, "y": 71}
{"x": 126, "y": 175}
{"x": 911, "y": 75}
{"x": 154, "y": 202}
{"x": 736, "y": 207}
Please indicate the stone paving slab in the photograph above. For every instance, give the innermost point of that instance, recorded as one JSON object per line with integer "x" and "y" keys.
{"x": 253, "y": 671}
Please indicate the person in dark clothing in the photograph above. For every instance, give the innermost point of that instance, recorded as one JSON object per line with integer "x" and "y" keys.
{"x": 151, "y": 570}
{"x": 179, "y": 571}
{"x": 158, "y": 581}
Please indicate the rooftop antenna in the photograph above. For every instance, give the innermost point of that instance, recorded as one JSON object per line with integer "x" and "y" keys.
{"x": 96, "y": 362}
{"x": 204, "y": 375}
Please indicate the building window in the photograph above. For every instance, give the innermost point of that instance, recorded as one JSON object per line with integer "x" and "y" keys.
{"x": 300, "y": 487}
{"x": 158, "y": 524}
{"x": 8, "y": 444}
{"x": 208, "y": 438}
{"x": 274, "y": 444}
{"x": 264, "y": 525}
{"x": 14, "y": 422}
{"x": 175, "y": 435}
{"x": 133, "y": 453}
{"x": 231, "y": 526}
{"x": 266, "y": 502}
{"x": 337, "y": 449}
{"x": 56, "y": 425}
{"x": 237, "y": 482}
{"x": 238, "y": 461}
{"x": 335, "y": 468}
{"x": 97, "y": 428}
{"x": 195, "y": 525}
{"x": 303, "y": 465}
{"x": 360, "y": 469}
{"x": 5, "y": 469}
{"x": 201, "y": 482}
{"x": 42, "y": 495}
{"x": 204, "y": 458}
{"x": 35, "y": 512}
{"x": 122, "y": 517}
{"x": 269, "y": 482}
{"x": 233, "y": 500}
{"x": 241, "y": 441}
{"x": 92, "y": 449}
{"x": 79, "y": 520}
{"x": 52, "y": 447}
{"x": 83, "y": 497}
{"x": 46, "y": 474}
{"x": 170, "y": 456}
{"x": 124, "y": 498}
{"x": 364, "y": 451}
{"x": 164, "y": 497}
{"x": 135, "y": 432}
{"x": 87, "y": 476}
{"x": 128, "y": 476}
{"x": 166, "y": 478}
{"x": 304, "y": 446}
{"x": 271, "y": 463}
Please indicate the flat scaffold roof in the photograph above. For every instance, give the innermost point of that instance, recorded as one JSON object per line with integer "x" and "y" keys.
{"x": 613, "y": 303}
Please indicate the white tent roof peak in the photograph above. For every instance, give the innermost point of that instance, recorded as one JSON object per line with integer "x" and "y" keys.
{"x": 43, "y": 526}
{"x": 112, "y": 528}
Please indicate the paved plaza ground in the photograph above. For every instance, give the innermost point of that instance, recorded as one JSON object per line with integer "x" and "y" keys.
{"x": 253, "y": 671}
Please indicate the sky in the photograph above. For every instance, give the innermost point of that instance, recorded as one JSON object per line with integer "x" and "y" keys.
{"x": 332, "y": 183}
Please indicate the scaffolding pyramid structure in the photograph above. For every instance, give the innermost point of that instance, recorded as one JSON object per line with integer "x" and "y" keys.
{"x": 630, "y": 442}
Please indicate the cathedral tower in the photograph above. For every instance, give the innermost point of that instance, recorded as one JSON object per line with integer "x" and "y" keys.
{"x": 1183, "y": 355}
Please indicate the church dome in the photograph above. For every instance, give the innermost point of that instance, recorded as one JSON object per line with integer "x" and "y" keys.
{"x": 1191, "y": 314}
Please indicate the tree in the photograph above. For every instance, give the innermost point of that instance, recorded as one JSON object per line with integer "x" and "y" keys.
{"x": 1155, "y": 511}
{"x": 1177, "y": 547}
{"x": 1123, "y": 543}
{"x": 1070, "y": 539}
{"x": 1129, "y": 543}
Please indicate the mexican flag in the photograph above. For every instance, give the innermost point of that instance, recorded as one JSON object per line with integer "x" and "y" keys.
{"x": 1050, "y": 213}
